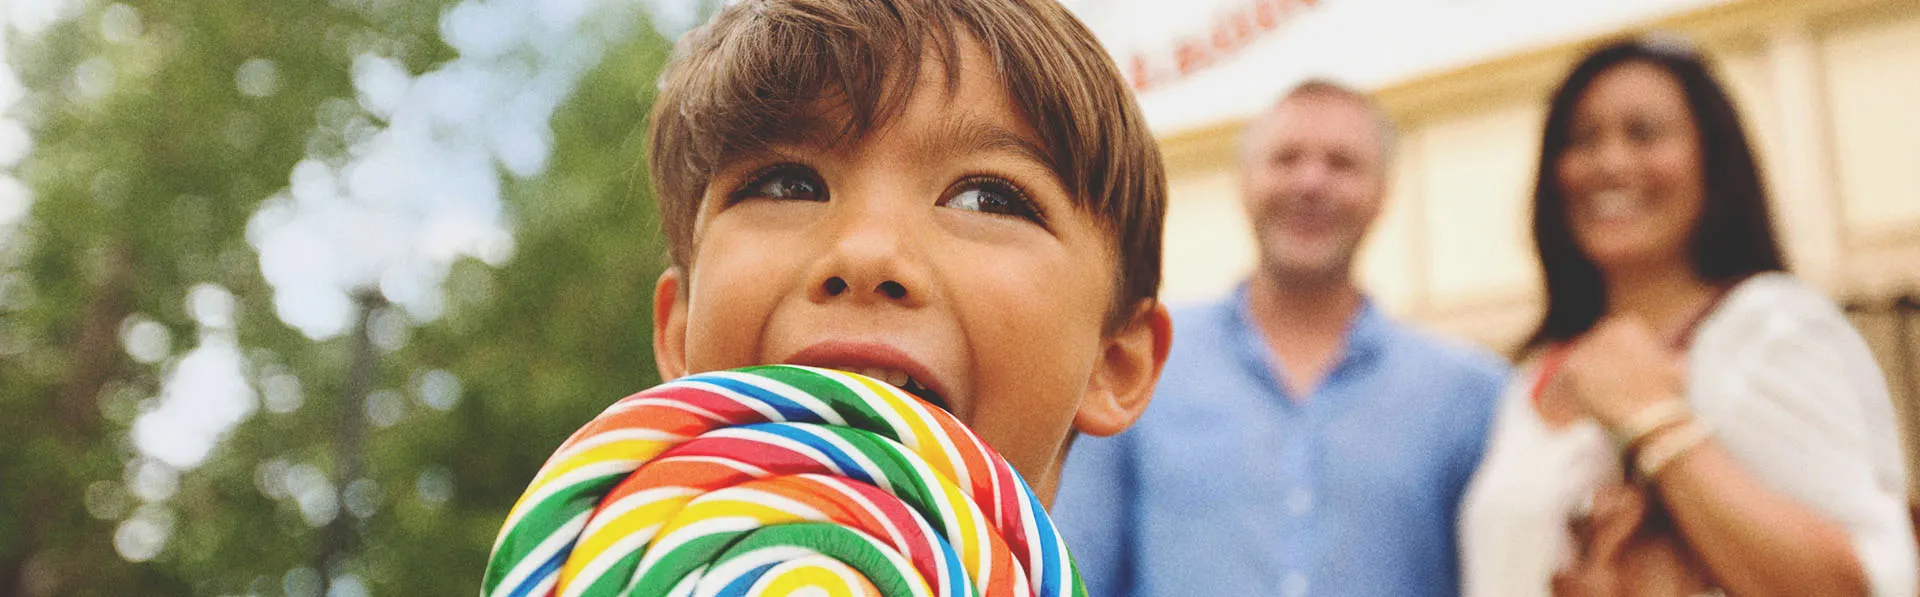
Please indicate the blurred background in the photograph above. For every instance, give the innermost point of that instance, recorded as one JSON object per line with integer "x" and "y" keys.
{"x": 1828, "y": 90}
{"x": 296, "y": 296}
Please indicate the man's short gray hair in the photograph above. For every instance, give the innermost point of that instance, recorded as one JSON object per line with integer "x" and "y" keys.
{"x": 1326, "y": 87}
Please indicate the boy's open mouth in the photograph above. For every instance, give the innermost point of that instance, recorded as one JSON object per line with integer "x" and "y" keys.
{"x": 902, "y": 380}
{"x": 879, "y": 361}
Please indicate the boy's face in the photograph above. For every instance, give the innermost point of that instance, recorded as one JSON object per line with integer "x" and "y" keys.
{"x": 938, "y": 252}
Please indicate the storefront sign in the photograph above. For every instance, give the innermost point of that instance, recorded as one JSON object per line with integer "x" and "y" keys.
{"x": 1199, "y": 62}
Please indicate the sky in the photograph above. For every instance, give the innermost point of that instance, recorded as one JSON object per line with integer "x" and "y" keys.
{"x": 15, "y": 16}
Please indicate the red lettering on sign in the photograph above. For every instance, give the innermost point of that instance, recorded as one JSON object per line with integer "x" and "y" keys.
{"x": 1140, "y": 72}
{"x": 1191, "y": 55}
{"x": 1233, "y": 32}
{"x": 1266, "y": 14}
{"x": 1229, "y": 33}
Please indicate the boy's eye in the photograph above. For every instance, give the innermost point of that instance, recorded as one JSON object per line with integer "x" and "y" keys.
{"x": 992, "y": 195}
{"x": 791, "y": 182}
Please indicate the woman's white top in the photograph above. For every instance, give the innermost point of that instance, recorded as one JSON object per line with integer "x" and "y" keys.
{"x": 1787, "y": 387}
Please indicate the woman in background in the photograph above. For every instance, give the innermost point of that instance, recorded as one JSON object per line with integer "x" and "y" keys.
{"x": 1689, "y": 417}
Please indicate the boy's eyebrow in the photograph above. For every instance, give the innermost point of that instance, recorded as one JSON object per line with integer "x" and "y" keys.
{"x": 802, "y": 130}
{"x": 953, "y": 136}
{"x": 962, "y": 136}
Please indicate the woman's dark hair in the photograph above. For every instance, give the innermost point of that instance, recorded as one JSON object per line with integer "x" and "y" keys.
{"x": 1732, "y": 239}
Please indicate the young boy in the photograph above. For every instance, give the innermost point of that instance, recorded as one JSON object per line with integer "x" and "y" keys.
{"x": 956, "y": 196}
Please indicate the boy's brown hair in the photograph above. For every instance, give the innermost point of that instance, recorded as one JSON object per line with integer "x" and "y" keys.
{"x": 757, "y": 73}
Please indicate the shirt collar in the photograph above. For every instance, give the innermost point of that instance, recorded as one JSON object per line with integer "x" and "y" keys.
{"x": 1367, "y": 333}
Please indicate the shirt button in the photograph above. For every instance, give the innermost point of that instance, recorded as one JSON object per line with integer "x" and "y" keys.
{"x": 1295, "y": 585}
{"x": 1299, "y": 502}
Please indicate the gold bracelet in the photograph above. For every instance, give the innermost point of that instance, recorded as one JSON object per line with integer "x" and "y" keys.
{"x": 1661, "y": 450}
{"x": 1651, "y": 418}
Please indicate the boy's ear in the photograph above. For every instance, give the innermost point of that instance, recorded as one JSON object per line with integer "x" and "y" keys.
{"x": 670, "y": 325}
{"x": 1129, "y": 367}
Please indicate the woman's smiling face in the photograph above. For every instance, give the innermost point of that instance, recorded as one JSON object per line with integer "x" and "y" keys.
{"x": 1631, "y": 173}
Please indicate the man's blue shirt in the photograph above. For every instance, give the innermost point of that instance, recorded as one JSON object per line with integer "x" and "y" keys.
{"x": 1228, "y": 486}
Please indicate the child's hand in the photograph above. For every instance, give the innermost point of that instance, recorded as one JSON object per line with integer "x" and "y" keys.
{"x": 1620, "y": 368}
{"x": 1602, "y": 537}
{"x": 1625, "y": 553}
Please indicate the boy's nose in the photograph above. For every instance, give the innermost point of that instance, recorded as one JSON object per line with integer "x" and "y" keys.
{"x": 836, "y": 286}
{"x": 871, "y": 260}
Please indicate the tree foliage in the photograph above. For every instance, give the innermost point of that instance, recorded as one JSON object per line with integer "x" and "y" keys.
{"x": 155, "y": 139}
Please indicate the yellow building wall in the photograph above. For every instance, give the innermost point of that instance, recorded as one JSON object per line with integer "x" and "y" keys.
{"x": 1208, "y": 246}
{"x": 1874, "y": 86}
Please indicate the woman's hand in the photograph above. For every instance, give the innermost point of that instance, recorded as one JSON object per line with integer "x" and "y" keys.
{"x": 1751, "y": 538}
{"x": 1619, "y": 368}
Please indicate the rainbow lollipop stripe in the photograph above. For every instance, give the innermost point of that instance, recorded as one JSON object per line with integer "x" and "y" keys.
{"x": 773, "y": 480}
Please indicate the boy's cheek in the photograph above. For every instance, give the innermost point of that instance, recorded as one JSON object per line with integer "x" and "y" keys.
{"x": 718, "y": 335}
{"x": 723, "y": 316}
{"x": 1030, "y": 413}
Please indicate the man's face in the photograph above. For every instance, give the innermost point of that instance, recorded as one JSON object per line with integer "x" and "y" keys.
{"x": 939, "y": 253}
{"x": 1314, "y": 179}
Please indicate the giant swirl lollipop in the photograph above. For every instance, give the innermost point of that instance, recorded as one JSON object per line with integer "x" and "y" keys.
{"x": 778, "y": 480}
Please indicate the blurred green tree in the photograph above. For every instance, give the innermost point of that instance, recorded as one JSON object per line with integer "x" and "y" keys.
{"x": 159, "y": 127}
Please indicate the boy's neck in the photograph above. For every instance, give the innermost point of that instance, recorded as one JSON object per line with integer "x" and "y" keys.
{"x": 1305, "y": 324}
